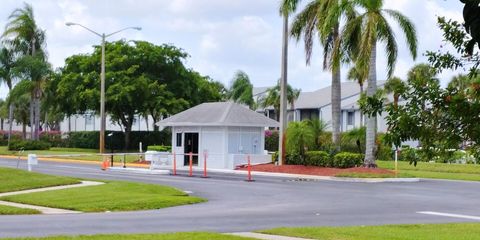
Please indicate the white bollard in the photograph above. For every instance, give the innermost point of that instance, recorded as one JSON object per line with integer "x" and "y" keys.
{"x": 32, "y": 160}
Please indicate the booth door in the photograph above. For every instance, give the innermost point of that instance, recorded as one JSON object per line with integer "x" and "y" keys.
{"x": 191, "y": 146}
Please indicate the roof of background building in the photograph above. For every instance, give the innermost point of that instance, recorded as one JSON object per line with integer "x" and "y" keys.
{"x": 219, "y": 114}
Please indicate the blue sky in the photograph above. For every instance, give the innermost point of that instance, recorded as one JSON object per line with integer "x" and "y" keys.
{"x": 221, "y": 36}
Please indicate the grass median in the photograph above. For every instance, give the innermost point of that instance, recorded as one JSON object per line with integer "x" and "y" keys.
{"x": 166, "y": 236}
{"x": 460, "y": 231}
{"x": 112, "y": 196}
{"x": 8, "y": 210}
{"x": 16, "y": 180}
{"x": 469, "y": 172}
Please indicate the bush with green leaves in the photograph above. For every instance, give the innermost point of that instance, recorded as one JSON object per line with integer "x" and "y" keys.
{"x": 347, "y": 160}
{"x": 18, "y": 145}
{"x": 300, "y": 138}
{"x": 90, "y": 139}
{"x": 318, "y": 158}
{"x": 294, "y": 158}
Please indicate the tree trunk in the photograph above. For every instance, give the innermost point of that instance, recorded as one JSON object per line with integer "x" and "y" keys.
{"x": 70, "y": 124}
{"x": 283, "y": 93}
{"x": 37, "y": 114}
{"x": 155, "y": 127}
{"x": 370, "y": 150}
{"x": 361, "y": 114}
{"x": 32, "y": 106}
{"x": 10, "y": 122}
{"x": 128, "y": 129}
{"x": 336, "y": 101}
{"x": 24, "y": 131}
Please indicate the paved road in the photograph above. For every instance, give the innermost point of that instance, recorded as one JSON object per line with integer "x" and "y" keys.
{"x": 237, "y": 206}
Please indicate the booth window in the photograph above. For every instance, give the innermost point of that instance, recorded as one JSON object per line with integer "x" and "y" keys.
{"x": 179, "y": 139}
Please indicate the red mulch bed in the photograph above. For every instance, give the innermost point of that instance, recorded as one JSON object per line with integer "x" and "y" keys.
{"x": 311, "y": 170}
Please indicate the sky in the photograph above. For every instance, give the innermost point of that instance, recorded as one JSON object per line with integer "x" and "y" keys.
{"x": 221, "y": 36}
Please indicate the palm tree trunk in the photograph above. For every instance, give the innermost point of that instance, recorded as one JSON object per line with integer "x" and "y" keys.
{"x": 32, "y": 103}
{"x": 10, "y": 122}
{"x": 336, "y": 101}
{"x": 361, "y": 114}
{"x": 283, "y": 93}
{"x": 370, "y": 149}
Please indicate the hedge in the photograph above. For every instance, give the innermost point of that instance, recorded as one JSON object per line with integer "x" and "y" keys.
{"x": 318, "y": 158}
{"x": 90, "y": 139}
{"x": 28, "y": 145}
{"x": 159, "y": 148}
{"x": 271, "y": 141}
{"x": 347, "y": 160}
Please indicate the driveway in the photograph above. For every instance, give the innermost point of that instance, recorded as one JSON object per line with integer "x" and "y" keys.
{"x": 238, "y": 206}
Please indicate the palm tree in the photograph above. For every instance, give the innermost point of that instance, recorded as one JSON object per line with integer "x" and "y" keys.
{"x": 396, "y": 86}
{"x": 322, "y": 18}
{"x": 272, "y": 98}
{"x": 7, "y": 75}
{"x": 300, "y": 137}
{"x": 356, "y": 74}
{"x": 318, "y": 127}
{"x": 28, "y": 40}
{"x": 375, "y": 28}
{"x": 241, "y": 90}
{"x": 19, "y": 98}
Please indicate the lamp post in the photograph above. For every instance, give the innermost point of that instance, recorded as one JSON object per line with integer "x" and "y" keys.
{"x": 102, "y": 78}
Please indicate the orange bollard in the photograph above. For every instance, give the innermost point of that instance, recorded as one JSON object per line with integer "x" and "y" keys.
{"x": 205, "y": 165}
{"x": 174, "y": 164}
{"x": 104, "y": 165}
{"x": 190, "y": 173}
{"x": 249, "y": 169}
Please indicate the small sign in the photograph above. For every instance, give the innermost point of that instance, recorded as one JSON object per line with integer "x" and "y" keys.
{"x": 32, "y": 159}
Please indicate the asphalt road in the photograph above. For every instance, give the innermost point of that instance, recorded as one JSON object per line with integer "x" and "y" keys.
{"x": 237, "y": 206}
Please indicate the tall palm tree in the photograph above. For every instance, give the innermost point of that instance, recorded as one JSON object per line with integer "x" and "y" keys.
{"x": 241, "y": 90}
{"x": 322, "y": 18}
{"x": 376, "y": 28}
{"x": 356, "y": 74}
{"x": 7, "y": 75}
{"x": 28, "y": 40}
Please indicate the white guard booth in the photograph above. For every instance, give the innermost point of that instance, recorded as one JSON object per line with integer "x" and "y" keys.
{"x": 224, "y": 131}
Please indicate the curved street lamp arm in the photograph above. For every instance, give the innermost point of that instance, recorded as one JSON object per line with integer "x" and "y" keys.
{"x": 123, "y": 29}
{"x": 86, "y": 28}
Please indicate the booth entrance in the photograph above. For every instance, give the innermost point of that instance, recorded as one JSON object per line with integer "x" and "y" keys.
{"x": 191, "y": 146}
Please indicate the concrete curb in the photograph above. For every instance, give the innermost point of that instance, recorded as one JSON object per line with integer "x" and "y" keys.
{"x": 24, "y": 158}
{"x": 265, "y": 236}
{"x": 139, "y": 170}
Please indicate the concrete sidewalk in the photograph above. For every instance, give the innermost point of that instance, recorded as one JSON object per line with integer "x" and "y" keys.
{"x": 265, "y": 236}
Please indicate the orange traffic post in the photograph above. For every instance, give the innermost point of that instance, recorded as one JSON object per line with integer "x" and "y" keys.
{"x": 205, "y": 165}
{"x": 249, "y": 169}
{"x": 104, "y": 165}
{"x": 174, "y": 164}
{"x": 190, "y": 173}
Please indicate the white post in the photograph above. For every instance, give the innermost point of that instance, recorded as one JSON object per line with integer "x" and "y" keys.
{"x": 140, "y": 148}
{"x": 396, "y": 161}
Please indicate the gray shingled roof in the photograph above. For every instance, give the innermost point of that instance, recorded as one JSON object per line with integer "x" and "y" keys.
{"x": 219, "y": 114}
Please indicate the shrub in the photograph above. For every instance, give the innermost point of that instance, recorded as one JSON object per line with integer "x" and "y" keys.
{"x": 271, "y": 141}
{"x": 318, "y": 158}
{"x": 274, "y": 156}
{"x": 347, "y": 160}
{"x": 159, "y": 148}
{"x": 53, "y": 137}
{"x": 294, "y": 159}
{"x": 28, "y": 145}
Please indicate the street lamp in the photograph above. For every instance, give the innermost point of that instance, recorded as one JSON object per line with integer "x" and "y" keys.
{"x": 102, "y": 78}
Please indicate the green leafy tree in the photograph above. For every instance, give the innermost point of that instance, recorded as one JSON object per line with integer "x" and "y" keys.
{"x": 19, "y": 97}
{"x": 396, "y": 87}
{"x": 7, "y": 76}
{"x": 241, "y": 89}
{"x": 375, "y": 28}
{"x": 359, "y": 76}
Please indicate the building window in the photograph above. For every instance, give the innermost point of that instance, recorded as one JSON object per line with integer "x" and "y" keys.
{"x": 350, "y": 118}
{"x": 306, "y": 114}
{"x": 179, "y": 139}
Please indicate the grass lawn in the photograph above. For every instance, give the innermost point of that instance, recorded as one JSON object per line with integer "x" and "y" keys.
{"x": 15, "y": 180}
{"x": 7, "y": 210}
{"x": 461, "y": 231}
{"x": 67, "y": 151}
{"x": 167, "y": 236}
{"x": 435, "y": 170}
{"x": 112, "y": 196}
{"x": 370, "y": 175}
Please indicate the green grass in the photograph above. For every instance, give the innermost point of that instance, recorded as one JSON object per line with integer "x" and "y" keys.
{"x": 468, "y": 172}
{"x": 7, "y": 210}
{"x": 167, "y": 236}
{"x": 112, "y": 196}
{"x": 68, "y": 151}
{"x": 15, "y": 180}
{"x": 371, "y": 175}
{"x": 462, "y": 231}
